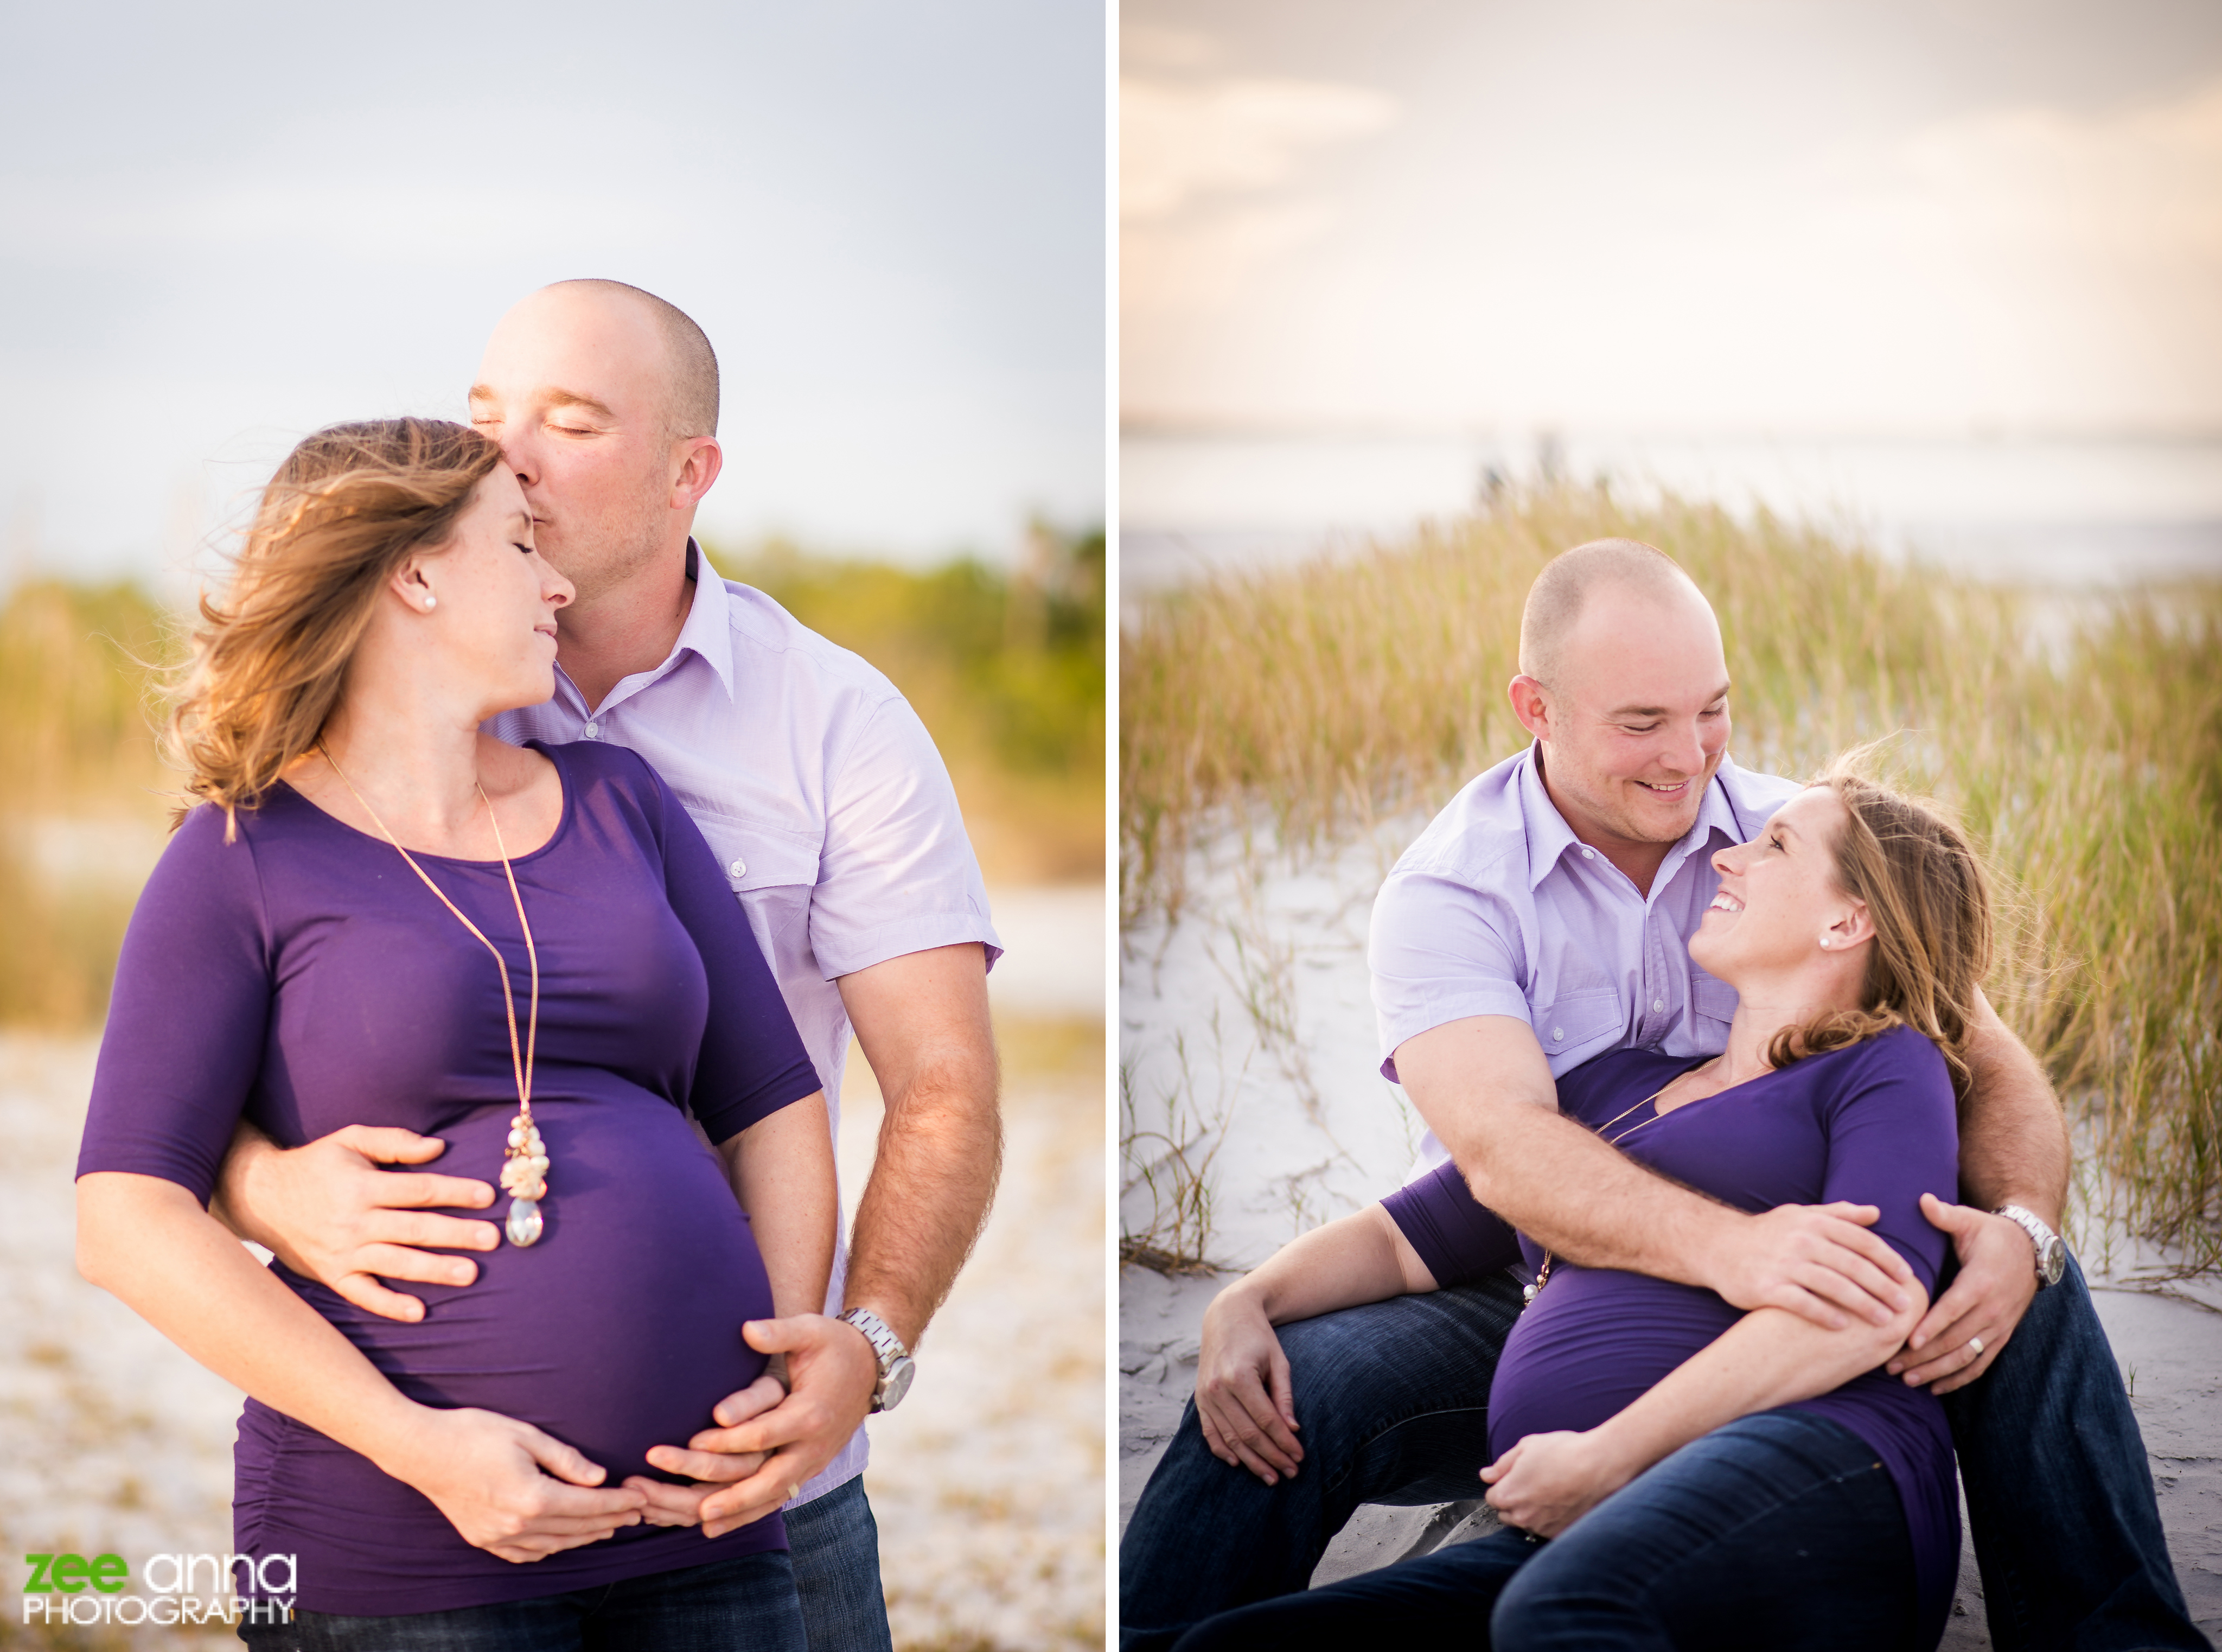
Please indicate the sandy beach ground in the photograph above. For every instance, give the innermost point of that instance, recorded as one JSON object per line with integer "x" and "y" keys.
{"x": 988, "y": 1482}
{"x": 1247, "y": 1033}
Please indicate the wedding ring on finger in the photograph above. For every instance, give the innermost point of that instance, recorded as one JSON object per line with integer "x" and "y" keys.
{"x": 794, "y": 1491}
{"x": 1975, "y": 1346}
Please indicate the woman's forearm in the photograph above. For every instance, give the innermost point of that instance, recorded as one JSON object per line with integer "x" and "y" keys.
{"x": 149, "y": 1242}
{"x": 1356, "y": 1259}
{"x": 782, "y": 1168}
{"x": 1770, "y": 1357}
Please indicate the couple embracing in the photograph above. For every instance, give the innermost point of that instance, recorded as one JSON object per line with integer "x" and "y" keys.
{"x": 523, "y": 847}
{"x": 1735, "y": 1226}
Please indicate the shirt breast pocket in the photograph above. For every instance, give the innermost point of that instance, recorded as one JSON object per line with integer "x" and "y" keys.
{"x": 1713, "y": 1001}
{"x": 770, "y": 870}
{"x": 1579, "y": 1022}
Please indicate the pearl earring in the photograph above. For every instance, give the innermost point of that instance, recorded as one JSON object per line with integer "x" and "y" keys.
{"x": 430, "y": 602}
{"x": 1825, "y": 941}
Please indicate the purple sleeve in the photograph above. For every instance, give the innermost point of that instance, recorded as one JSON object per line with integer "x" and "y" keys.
{"x": 188, "y": 1014}
{"x": 1894, "y": 1135}
{"x": 1457, "y": 1237}
{"x": 752, "y": 1062}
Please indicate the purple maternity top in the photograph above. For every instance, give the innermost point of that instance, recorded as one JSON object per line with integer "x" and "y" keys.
{"x": 1873, "y": 1123}
{"x": 304, "y": 977}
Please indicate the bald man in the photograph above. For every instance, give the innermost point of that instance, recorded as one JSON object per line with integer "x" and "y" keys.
{"x": 1541, "y": 921}
{"x": 829, "y": 808}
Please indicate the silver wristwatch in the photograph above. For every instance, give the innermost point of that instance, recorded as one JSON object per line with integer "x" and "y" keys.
{"x": 896, "y": 1366}
{"x": 2051, "y": 1253}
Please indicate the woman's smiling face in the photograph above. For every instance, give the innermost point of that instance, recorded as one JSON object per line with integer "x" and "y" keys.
{"x": 1779, "y": 893}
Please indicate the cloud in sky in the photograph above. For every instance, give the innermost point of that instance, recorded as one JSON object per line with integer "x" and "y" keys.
{"x": 1681, "y": 221}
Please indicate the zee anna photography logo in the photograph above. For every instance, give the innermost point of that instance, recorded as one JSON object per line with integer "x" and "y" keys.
{"x": 229, "y": 1589}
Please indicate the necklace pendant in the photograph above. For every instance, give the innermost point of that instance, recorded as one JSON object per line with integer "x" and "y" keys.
{"x": 524, "y": 1225}
{"x": 524, "y": 1178}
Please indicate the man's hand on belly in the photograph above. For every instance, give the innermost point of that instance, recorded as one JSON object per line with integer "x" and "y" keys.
{"x": 329, "y": 1214}
{"x": 833, "y": 1371}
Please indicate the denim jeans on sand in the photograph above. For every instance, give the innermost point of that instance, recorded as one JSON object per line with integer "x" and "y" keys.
{"x": 1781, "y": 1529}
{"x": 1391, "y": 1398}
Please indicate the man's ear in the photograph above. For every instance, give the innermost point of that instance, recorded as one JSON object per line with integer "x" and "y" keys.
{"x": 1531, "y": 704}
{"x": 697, "y": 461}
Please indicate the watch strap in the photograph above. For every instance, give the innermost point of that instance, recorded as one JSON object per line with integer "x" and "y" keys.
{"x": 2041, "y": 1239}
{"x": 887, "y": 1347}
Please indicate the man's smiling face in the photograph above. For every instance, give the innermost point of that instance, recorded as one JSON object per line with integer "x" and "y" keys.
{"x": 1639, "y": 718}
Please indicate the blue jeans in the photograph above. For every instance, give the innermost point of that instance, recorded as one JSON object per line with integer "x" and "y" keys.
{"x": 1781, "y": 1529}
{"x": 743, "y": 1604}
{"x": 835, "y": 1544}
{"x": 1392, "y": 1399}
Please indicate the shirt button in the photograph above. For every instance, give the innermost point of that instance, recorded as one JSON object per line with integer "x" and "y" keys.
{"x": 1658, "y": 1003}
{"x": 1589, "y": 854}
{"x": 738, "y": 868}
{"x": 1557, "y": 1032}
{"x": 594, "y": 731}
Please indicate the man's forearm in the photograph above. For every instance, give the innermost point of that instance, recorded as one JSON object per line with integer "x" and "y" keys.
{"x": 2013, "y": 1140}
{"x": 1581, "y": 1198}
{"x": 940, "y": 1152}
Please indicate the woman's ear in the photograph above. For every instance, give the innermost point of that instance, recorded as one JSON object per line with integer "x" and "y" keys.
{"x": 1856, "y": 924}
{"x": 411, "y": 583}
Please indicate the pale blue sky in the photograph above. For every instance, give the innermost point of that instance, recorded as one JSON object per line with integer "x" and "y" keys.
{"x": 228, "y": 224}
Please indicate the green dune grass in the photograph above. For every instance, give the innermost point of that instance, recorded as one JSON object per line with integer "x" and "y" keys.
{"x": 2080, "y": 739}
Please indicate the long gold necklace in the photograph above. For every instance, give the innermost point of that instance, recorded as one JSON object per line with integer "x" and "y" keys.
{"x": 1528, "y": 1293}
{"x": 524, "y": 1164}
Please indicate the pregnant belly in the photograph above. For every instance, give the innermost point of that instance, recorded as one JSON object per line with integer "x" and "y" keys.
{"x": 621, "y": 1327}
{"x": 1592, "y": 1342}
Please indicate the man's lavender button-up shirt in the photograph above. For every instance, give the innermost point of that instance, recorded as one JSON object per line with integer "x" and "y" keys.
{"x": 825, "y": 800}
{"x": 1498, "y": 909}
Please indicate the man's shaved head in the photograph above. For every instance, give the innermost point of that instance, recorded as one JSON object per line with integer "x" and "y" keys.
{"x": 1556, "y": 599}
{"x": 691, "y": 409}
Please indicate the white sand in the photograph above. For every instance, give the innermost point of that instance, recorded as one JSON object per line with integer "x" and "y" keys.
{"x": 988, "y": 1482}
{"x": 1246, "y": 1029}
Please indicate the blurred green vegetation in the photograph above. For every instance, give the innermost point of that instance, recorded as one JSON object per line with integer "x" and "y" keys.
{"x": 1006, "y": 669}
{"x": 81, "y": 808}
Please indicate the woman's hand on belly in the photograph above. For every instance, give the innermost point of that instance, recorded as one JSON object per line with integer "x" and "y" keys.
{"x": 484, "y": 1472}
{"x": 1548, "y": 1481}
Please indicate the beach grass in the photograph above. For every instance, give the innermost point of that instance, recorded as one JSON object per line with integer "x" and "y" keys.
{"x": 1006, "y": 668}
{"x": 2079, "y": 738}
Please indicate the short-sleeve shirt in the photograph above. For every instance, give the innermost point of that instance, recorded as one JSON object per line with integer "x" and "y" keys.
{"x": 821, "y": 794}
{"x": 302, "y": 975}
{"x": 1498, "y": 909}
{"x": 1872, "y": 1123}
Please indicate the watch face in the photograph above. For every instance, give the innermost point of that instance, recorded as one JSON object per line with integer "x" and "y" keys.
{"x": 2054, "y": 1262}
{"x": 897, "y": 1383}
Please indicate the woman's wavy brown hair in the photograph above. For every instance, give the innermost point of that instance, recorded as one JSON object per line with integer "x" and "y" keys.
{"x": 347, "y": 508}
{"x": 1930, "y": 899}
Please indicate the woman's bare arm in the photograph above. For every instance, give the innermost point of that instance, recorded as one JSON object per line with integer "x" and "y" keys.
{"x": 150, "y": 1243}
{"x": 1768, "y": 1358}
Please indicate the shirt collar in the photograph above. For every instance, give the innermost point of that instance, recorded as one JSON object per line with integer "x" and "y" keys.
{"x": 708, "y": 630}
{"x": 1549, "y": 837}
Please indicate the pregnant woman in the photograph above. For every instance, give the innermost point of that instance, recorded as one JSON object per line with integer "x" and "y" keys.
{"x": 1672, "y": 1472}
{"x": 376, "y": 914}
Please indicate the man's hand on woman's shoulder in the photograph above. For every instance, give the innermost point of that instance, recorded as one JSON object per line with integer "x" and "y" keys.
{"x": 327, "y": 1211}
